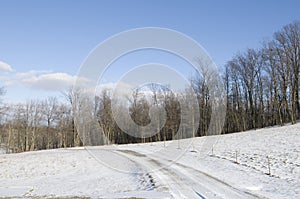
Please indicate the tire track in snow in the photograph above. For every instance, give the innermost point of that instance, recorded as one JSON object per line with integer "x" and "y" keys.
{"x": 187, "y": 182}
{"x": 145, "y": 180}
{"x": 177, "y": 184}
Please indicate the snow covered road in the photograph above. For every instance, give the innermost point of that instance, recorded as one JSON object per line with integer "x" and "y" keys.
{"x": 184, "y": 181}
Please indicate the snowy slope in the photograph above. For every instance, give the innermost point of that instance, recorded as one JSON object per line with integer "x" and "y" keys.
{"x": 227, "y": 166}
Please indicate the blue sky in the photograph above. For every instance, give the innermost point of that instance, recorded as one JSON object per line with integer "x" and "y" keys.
{"x": 45, "y": 42}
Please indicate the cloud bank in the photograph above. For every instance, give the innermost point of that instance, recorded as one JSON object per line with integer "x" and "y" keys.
{"x": 5, "y": 67}
{"x": 45, "y": 80}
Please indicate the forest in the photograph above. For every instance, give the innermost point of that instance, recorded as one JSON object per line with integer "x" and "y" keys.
{"x": 262, "y": 89}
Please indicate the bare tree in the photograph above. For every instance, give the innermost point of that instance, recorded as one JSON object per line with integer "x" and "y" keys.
{"x": 50, "y": 111}
{"x": 73, "y": 96}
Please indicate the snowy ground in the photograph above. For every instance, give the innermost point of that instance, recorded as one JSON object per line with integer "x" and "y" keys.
{"x": 255, "y": 164}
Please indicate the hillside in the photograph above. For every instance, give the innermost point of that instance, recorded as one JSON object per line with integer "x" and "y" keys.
{"x": 258, "y": 163}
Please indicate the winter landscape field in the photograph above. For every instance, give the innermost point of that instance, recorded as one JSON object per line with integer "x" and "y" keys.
{"x": 149, "y": 99}
{"x": 237, "y": 167}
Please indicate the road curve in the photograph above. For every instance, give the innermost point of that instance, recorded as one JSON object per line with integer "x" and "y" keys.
{"x": 184, "y": 181}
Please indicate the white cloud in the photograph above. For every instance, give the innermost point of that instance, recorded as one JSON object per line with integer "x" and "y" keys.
{"x": 5, "y": 67}
{"x": 44, "y": 80}
{"x": 30, "y": 74}
{"x": 48, "y": 81}
{"x": 4, "y": 78}
{"x": 111, "y": 86}
{"x": 52, "y": 81}
{"x": 121, "y": 90}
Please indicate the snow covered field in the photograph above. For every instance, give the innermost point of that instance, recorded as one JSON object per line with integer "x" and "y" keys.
{"x": 261, "y": 163}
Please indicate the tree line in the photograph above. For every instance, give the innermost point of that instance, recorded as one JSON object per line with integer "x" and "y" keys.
{"x": 263, "y": 85}
{"x": 262, "y": 89}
